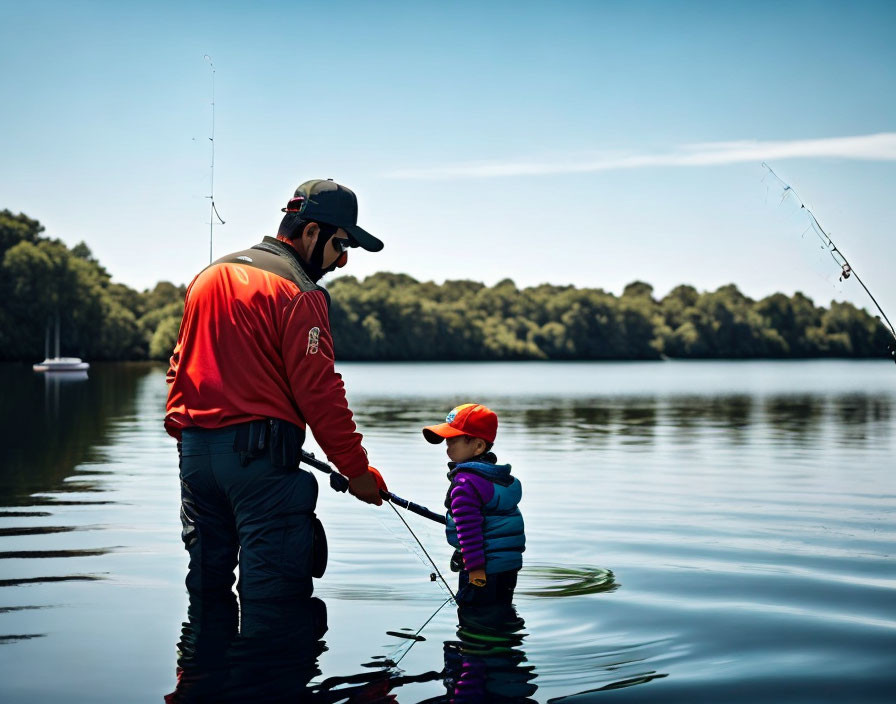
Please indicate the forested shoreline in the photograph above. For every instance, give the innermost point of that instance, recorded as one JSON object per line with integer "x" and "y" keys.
{"x": 390, "y": 316}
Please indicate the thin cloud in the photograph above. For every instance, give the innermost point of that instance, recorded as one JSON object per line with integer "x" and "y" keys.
{"x": 872, "y": 147}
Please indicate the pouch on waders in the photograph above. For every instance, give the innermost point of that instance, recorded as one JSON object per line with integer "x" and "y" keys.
{"x": 319, "y": 552}
{"x": 281, "y": 440}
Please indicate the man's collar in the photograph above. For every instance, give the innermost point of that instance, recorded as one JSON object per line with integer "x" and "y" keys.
{"x": 287, "y": 250}
{"x": 299, "y": 274}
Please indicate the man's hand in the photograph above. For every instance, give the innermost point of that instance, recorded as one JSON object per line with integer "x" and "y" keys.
{"x": 366, "y": 487}
{"x": 477, "y": 578}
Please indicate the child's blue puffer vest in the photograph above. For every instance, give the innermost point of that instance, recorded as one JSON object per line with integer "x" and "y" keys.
{"x": 503, "y": 531}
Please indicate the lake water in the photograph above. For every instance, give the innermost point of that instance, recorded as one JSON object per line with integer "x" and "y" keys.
{"x": 697, "y": 532}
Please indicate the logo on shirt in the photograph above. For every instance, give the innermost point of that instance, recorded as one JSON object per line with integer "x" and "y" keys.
{"x": 313, "y": 341}
{"x": 245, "y": 258}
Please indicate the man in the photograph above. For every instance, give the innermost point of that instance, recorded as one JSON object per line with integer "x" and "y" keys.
{"x": 253, "y": 365}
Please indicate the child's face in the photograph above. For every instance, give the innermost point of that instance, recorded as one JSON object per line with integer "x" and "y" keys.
{"x": 463, "y": 447}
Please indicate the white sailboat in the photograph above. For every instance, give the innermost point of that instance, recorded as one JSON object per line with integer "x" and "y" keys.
{"x": 57, "y": 363}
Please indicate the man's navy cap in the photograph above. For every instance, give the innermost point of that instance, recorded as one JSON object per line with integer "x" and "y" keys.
{"x": 329, "y": 202}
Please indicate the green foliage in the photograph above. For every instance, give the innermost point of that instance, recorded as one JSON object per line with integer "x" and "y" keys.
{"x": 162, "y": 343}
{"x": 41, "y": 279}
{"x": 46, "y": 279}
{"x": 395, "y": 317}
{"x": 165, "y": 293}
{"x": 17, "y": 228}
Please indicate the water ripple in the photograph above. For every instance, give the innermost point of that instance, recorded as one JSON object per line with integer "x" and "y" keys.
{"x": 554, "y": 581}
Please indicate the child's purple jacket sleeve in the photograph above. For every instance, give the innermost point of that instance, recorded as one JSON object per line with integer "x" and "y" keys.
{"x": 468, "y": 495}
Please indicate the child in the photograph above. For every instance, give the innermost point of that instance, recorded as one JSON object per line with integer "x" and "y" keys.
{"x": 484, "y": 522}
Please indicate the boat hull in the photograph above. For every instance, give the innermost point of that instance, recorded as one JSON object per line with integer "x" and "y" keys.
{"x": 61, "y": 364}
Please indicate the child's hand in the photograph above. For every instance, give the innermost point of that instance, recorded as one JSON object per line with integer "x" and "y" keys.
{"x": 477, "y": 578}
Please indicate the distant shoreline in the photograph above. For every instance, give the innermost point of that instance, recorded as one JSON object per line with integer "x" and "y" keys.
{"x": 795, "y": 360}
{"x": 394, "y": 317}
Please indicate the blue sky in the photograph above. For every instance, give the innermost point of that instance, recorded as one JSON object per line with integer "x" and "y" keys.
{"x": 591, "y": 143}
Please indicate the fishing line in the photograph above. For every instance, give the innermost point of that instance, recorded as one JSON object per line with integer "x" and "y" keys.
{"x": 340, "y": 483}
{"x": 404, "y": 538}
{"x": 431, "y": 561}
{"x": 846, "y": 269}
{"x": 419, "y": 631}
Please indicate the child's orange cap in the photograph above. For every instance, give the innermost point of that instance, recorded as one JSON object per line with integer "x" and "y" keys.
{"x": 468, "y": 419}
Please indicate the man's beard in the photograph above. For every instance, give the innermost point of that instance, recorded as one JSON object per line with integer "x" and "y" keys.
{"x": 315, "y": 266}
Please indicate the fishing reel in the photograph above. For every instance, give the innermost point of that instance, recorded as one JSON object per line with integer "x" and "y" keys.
{"x": 847, "y": 270}
{"x": 338, "y": 482}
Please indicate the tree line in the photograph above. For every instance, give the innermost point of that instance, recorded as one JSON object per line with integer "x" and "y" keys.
{"x": 390, "y": 316}
{"x": 41, "y": 278}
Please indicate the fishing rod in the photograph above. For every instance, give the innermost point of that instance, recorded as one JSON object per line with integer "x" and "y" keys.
{"x": 839, "y": 258}
{"x": 213, "y": 211}
{"x": 339, "y": 482}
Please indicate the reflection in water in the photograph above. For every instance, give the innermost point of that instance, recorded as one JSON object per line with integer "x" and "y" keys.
{"x": 635, "y": 420}
{"x": 595, "y": 694}
{"x": 487, "y": 663}
{"x": 39, "y": 530}
{"x": 66, "y": 418}
{"x": 365, "y": 687}
{"x": 798, "y": 418}
{"x": 267, "y": 652}
{"x": 13, "y": 637}
{"x": 23, "y": 636}
{"x": 551, "y": 581}
{"x": 859, "y": 410}
{"x": 690, "y": 415}
{"x": 637, "y": 424}
{"x": 75, "y": 552}
{"x": 49, "y": 580}
{"x": 855, "y": 413}
{"x": 53, "y": 385}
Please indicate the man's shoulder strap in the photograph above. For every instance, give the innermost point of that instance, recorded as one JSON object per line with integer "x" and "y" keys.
{"x": 282, "y": 256}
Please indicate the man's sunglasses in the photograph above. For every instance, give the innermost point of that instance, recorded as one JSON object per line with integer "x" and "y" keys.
{"x": 343, "y": 244}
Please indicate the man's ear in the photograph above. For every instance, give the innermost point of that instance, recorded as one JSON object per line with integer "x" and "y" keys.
{"x": 312, "y": 229}
{"x": 305, "y": 243}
